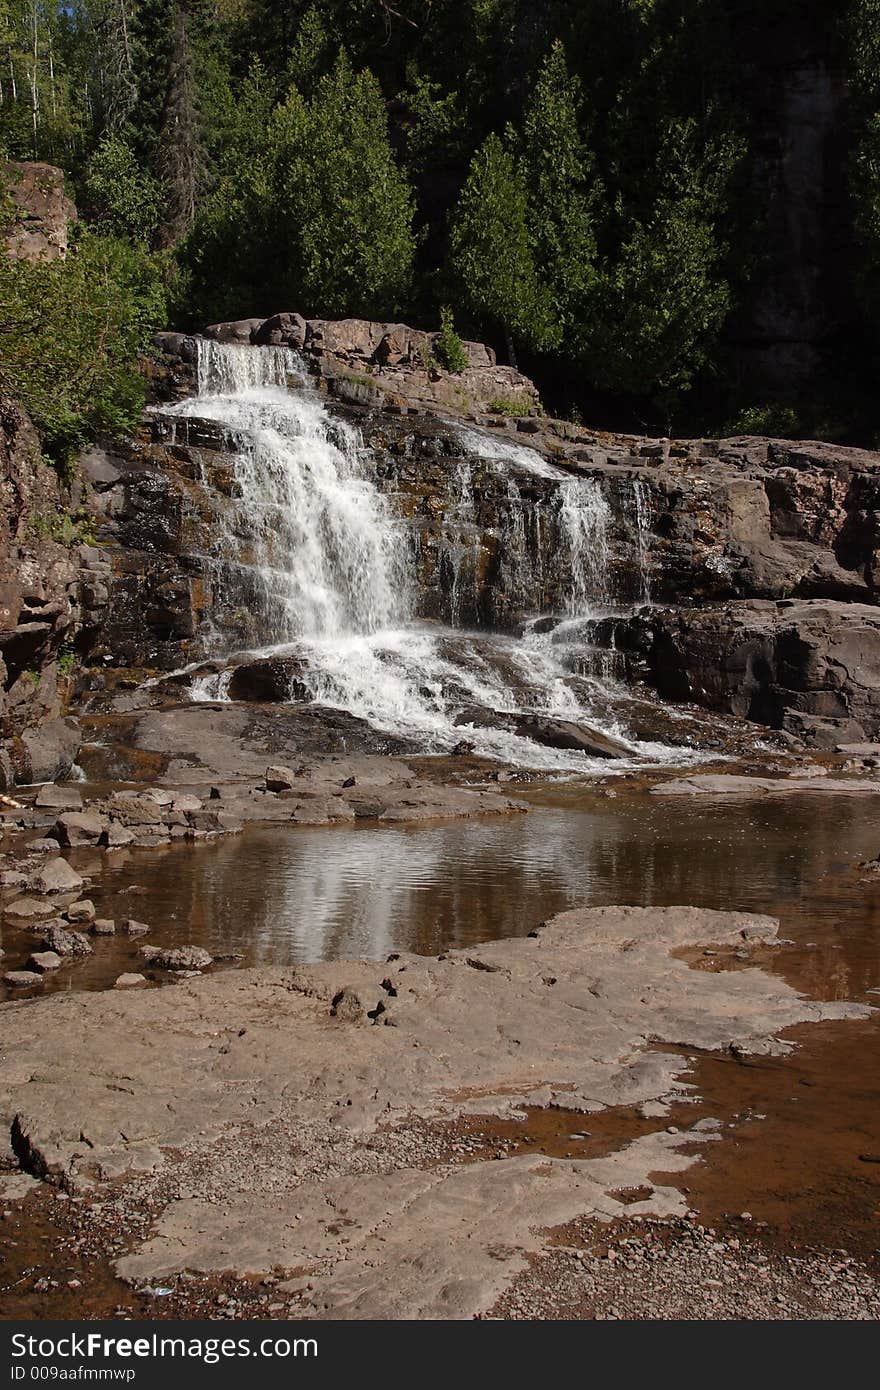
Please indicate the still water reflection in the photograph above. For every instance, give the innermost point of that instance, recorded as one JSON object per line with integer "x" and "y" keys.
{"x": 282, "y": 896}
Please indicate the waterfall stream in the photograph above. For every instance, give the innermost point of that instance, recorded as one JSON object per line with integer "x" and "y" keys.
{"x": 315, "y": 553}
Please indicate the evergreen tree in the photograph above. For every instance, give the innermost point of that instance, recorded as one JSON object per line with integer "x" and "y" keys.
{"x": 493, "y": 251}
{"x": 355, "y": 205}
{"x": 558, "y": 167}
{"x": 313, "y": 211}
{"x": 662, "y": 295}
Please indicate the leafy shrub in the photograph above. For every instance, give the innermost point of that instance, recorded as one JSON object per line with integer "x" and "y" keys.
{"x": 448, "y": 348}
{"x": 70, "y": 334}
{"x": 773, "y": 421}
{"x": 512, "y": 406}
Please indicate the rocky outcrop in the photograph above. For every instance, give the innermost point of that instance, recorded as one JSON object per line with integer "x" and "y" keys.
{"x": 43, "y": 211}
{"x": 53, "y": 592}
{"x": 811, "y": 669}
{"x": 385, "y": 365}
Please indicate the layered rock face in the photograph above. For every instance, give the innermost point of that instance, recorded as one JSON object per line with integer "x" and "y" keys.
{"x": 771, "y": 546}
{"x": 53, "y": 593}
{"x": 809, "y": 668}
{"x": 43, "y": 211}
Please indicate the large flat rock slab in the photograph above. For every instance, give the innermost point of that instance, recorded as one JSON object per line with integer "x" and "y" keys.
{"x": 270, "y": 1114}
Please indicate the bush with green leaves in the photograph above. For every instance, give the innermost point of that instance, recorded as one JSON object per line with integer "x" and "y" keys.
{"x": 448, "y": 347}
{"x": 70, "y": 333}
{"x": 123, "y": 198}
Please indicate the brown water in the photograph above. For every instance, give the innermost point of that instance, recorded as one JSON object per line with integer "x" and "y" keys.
{"x": 801, "y": 1133}
{"x": 282, "y": 895}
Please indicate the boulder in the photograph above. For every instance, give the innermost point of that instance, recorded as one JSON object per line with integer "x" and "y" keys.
{"x": 117, "y": 837}
{"x": 238, "y": 331}
{"x": 80, "y": 828}
{"x": 562, "y": 733}
{"x": 44, "y": 960}
{"x": 177, "y": 957}
{"x": 48, "y": 753}
{"x": 274, "y": 679}
{"x": 52, "y": 797}
{"x": 181, "y": 345}
{"x": 82, "y": 911}
{"x": 281, "y": 330}
{"x": 64, "y": 942}
{"x": 130, "y": 980}
{"x": 129, "y": 927}
{"x": 57, "y": 876}
{"x": 22, "y": 979}
{"x": 103, "y": 926}
{"x": 280, "y": 779}
{"x": 28, "y": 910}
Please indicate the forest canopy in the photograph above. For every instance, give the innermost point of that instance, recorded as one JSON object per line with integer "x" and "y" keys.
{"x": 584, "y": 181}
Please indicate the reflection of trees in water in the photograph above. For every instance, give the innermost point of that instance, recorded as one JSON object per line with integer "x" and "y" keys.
{"x": 297, "y": 894}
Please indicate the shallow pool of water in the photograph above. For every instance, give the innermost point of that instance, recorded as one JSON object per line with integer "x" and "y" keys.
{"x": 284, "y": 895}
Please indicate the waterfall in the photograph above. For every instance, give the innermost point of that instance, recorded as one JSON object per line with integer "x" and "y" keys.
{"x": 313, "y": 553}
{"x": 642, "y": 518}
{"x": 326, "y": 556}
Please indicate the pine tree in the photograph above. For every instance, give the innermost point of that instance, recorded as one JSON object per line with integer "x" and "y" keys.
{"x": 312, "y": 210}
{"x": 558, "y": 167}
{"x": 493, "y": 251}
{"x": 354, "y": 203}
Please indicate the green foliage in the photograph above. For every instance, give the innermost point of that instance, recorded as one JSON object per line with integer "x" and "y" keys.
{"x": 70, "y": 332}
{"x": 66, "y": 663}
{"x": 123, "y": 198}
{"x": 564, "y": 193}
{"x": 448, "y": 348}
{"x": 64, "y": 529}
{"x": 769, "y": 421}
{"x": 493, "y": 250}
{"x": 512, "y": 406}
{"x": 313, "y": 209}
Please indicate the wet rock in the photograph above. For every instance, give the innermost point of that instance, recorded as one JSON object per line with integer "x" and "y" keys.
{"x": 280, "y": 779}
{"x": 275, "y": 679}
{"x": 80, "y": 828}
{"x": 129, "y": 927}
{"x": 13, "y": 878}
{"x": 129, "y": 980}
{"x": 28, "y": 909}
{"x": 731, "y": 787}
{"x": 561, "y": 733}
{"x": 177, "y": 957}
{"x": 44, "y": 960}
{"x": 58, "y": 798}
{"x": 57, "y": 876}
{"x": 22, "y": 979}
{"x": 65, "y": 943}
{"x": 81, "y": 911}
{"x": 808, "y": 667}
{"x": 103, "y": 926}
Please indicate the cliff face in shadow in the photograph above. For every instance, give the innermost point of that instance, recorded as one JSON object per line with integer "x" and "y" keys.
{"x": 794, "y": 90}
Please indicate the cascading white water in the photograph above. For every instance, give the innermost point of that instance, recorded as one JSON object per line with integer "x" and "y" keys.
{"x": 326, "y": 557}
{"x": 313, "y": 546}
